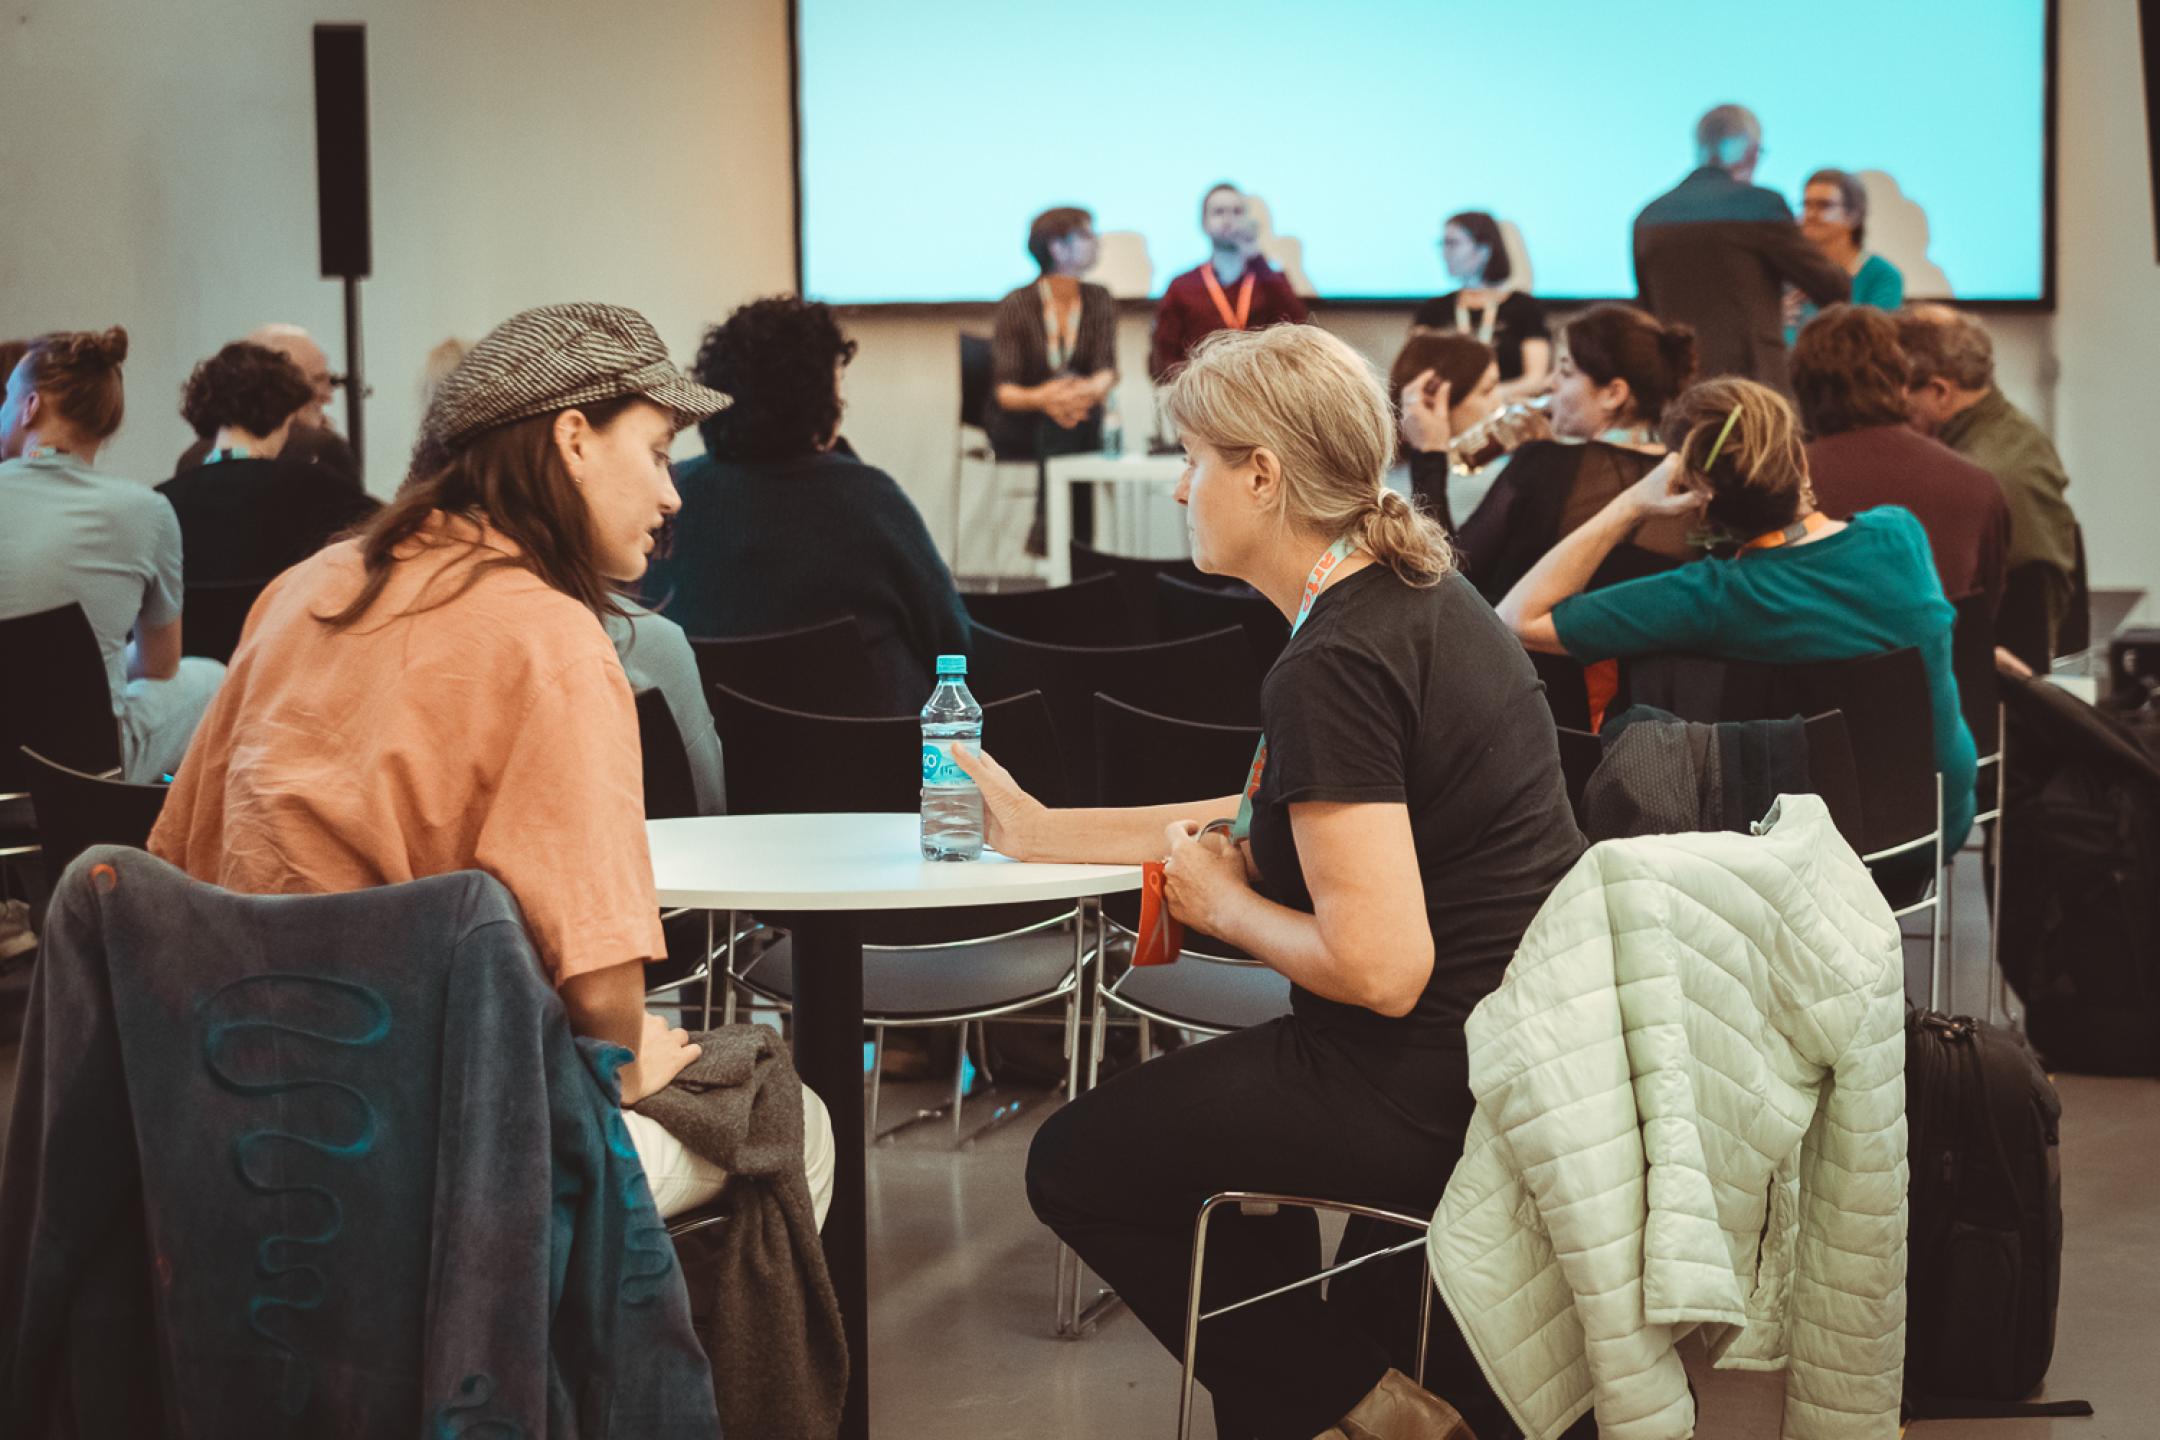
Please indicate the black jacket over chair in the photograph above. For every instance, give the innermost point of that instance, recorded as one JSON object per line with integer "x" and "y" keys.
{"x": 1717, "y": 253}
{"x": 303, "y": 1165}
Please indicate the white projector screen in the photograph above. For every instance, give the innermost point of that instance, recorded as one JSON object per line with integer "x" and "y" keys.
{"x": 931, "y": 133}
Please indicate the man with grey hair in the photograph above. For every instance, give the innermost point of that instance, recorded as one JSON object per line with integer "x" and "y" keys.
{"x": 313, "y": 441}
{"x": 1953, "y": 396}
{"x": 1716, "y": 251}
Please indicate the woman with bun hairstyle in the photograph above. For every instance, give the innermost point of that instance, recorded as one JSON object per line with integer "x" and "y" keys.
{"x": 68, "y": 532}
{"x": 1786, "y": 584}
{"x": 1401, "y": 824}
{"x": 246, "y": 513}
{"x": 1618, "y": 370}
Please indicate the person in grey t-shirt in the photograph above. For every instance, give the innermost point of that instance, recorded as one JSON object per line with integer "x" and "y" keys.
{"x": 656, "y": 654}
{"x": 69, "y": 533}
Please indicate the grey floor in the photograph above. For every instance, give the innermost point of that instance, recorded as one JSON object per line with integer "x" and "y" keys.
{"x": 961, "y": 1334}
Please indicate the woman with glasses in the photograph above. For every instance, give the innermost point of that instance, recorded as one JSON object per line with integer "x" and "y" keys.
{"x": 1489, "y": 306}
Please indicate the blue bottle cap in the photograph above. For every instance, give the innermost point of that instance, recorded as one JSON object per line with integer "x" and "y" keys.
{"x": 952, "y": 664}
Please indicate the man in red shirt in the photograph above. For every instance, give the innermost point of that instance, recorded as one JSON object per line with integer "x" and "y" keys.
{"x": 1235, "y": 289}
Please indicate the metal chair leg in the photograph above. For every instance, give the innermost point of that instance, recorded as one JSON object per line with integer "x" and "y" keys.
{"x": 727, "y": 1014}
{"x": 710, "y": 960}
{"x": 877, "y": 1070}
{"x": 1935, "y": 911}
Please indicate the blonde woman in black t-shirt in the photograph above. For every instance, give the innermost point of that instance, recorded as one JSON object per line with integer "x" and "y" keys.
{"x": 1408, "y": 821}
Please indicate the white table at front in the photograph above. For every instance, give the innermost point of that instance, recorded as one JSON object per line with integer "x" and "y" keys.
{"x": 815, "y": 876}
{"x": 1063, "y": 472}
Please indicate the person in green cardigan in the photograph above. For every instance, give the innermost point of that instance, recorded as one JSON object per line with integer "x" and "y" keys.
{"x": 1833, "y": 214}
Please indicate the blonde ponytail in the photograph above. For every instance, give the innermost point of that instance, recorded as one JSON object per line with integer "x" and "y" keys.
{"x": 1305, "y": 396}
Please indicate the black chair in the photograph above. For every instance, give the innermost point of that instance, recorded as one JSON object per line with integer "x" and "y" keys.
{"x": 1972, "y": 658}
{"x": 1209, "y": 678}
{"x": 1567, "y": 692}
{"x": 670, "y": 792}
{"x": 77, "y": 810}
{"x": 1086, "y": 612}
{"x": 921, "y": 967}
{"x": 824, "y": 669}
{"x": 1185, "y": 608}
{"x": 2021, "y": 622}
{"x": 1887, "y": 711}
{"x": 1580, "y": 752}
{"x": 1136, "y": 578}
{"x": 212, "y": 616}
{"x": 57, "y": 702}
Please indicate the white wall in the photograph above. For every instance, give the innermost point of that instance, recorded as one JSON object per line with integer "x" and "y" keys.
{"x": 160, "y": 172}
{"x": 536, "y": 150}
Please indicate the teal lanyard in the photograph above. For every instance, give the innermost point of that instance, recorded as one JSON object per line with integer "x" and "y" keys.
{"x": 1341, "y": 550}
{"x": 238, "y": 452}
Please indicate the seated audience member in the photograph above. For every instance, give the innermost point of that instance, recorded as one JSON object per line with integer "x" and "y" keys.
{"x": 1487, "y": 305}
{"x": 437, "y": 694}
{"x": 1618, "y": 370}
{"x": 1833, "y": 214}
{"x": 1849, "y": 378}
{"x": 1443, "y": 382}
{"x": 245, "y": 512}
{"x": 1791, "y": 585}
{"x": 656, "y": 655}
{"x": 1409, "y": 820}
{"x": 783, "y": 527}
{"x": 1950, "y": 369}
{"x": 1233, "y": 289}
{"x": 1053, "y": 359}
{"x": 68, "y": 532}
{"x": 314, "y": 441}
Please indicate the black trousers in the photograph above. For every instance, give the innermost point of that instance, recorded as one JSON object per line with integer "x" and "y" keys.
{"x": 1287, "y": 1107}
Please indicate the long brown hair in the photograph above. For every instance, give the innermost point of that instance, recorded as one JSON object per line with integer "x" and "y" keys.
{"x": 514, "y": 480}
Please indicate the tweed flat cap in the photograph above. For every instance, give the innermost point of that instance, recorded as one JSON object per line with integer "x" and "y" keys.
{"x": 552, "y": 358}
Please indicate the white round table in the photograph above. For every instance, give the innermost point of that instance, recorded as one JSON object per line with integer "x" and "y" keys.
{"x": 815, "y": 876}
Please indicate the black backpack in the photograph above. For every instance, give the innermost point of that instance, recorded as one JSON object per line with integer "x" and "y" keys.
{"x": 1984, "y": 1236}
{"x": 2080, "y": 878}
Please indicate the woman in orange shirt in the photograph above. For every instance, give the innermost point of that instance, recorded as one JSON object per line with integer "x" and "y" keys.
{"x": 438, "y": 694}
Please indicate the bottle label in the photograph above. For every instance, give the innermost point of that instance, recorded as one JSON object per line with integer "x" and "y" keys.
{"x": 939, "y": 768}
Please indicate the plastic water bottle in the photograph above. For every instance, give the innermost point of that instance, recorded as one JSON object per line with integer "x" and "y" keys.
{"x": 1113, "y": 429}
{"x": 952, "y": 814}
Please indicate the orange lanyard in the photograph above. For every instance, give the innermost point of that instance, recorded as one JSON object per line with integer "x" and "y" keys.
{"x": 1234, "y": 319}
{"x": 1814, "y": 521}
{"x": 1338, "y": 552}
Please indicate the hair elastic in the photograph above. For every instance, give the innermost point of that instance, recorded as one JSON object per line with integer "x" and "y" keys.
{"x": 1730, "y": 421}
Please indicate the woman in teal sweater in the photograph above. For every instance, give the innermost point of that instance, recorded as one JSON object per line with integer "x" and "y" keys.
{"x": 1833, "y": 214}
{"x": 1798, "y": 587}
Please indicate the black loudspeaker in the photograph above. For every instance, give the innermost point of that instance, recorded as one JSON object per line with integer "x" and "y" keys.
{"x": 2149, "y": 42}
{"x": 341, "y": 149}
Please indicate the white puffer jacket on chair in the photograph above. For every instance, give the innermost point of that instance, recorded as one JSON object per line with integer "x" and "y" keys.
{"x": 1690, "y": 1115}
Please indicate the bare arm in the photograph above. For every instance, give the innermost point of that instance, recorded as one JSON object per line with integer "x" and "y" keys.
{"x": 154, "y": 653}
{"x": 1566, "y": 568}
{"x": 1368, "y": 941}
{"x": 1020, "y": 827}
{"x": 610, "y": 1005}
{"x": 1536, "y": 374}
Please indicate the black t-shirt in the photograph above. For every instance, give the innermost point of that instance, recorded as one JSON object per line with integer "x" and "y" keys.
{"x": 1394, "y": 694}
{"x": 1519, "y": 318}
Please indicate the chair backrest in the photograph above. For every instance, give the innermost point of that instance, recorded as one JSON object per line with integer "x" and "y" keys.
{"x": 1087, "y": 612}
{"x": 1136, "y": 577}
{"x": 1147, "y": 759}
{"x": 976, "y": 370}
{"x": 1580, "y": 752}
{"x": 1185, "y": 608}
{"x": 1208, "y": 678}
{"x": 1831, "y": 773}
{"x": 59, "y": 702}
{"x": 1972, "y": 660}
{"x": 1567, "y": 692}
{"x": 670, "y": 792}
{"x": 786, "y": 762}
{"x": 76, "y": 811}
{"x": 212, "y": 616}
{"x": 823, "y": 669}
{"x": 1886, "y": 710}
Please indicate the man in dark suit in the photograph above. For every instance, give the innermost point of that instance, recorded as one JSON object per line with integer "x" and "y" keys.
{"x": 1716, "y": 251}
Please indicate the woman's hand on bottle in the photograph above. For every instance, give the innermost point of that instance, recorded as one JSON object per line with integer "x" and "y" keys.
{"x": 1203, "y": 875}
{"x": 662, "y": 1054}
{"x": 1424, "y": 404}
{"x": 1012, "y": 818}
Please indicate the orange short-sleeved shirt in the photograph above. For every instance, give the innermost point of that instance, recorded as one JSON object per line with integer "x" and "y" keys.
{"x": 493, "y": 732}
